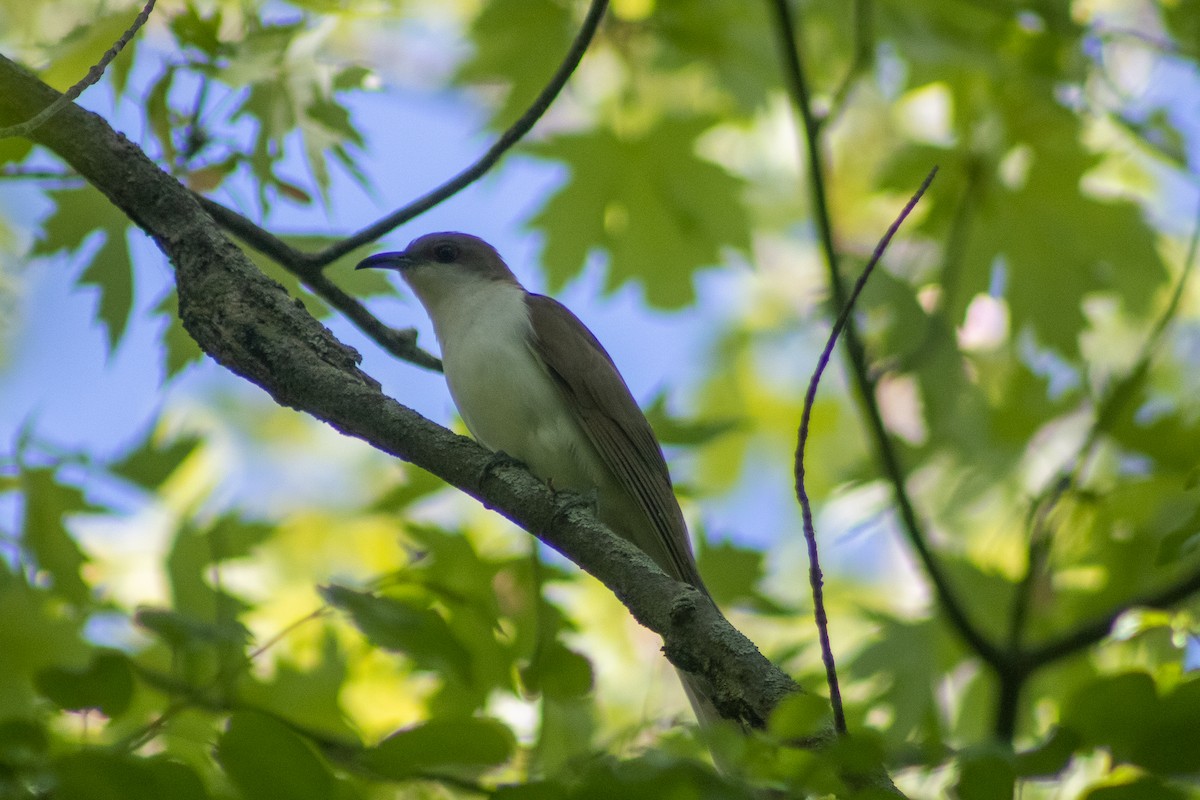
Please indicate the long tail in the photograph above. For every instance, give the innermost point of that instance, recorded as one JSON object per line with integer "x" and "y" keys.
{"x": 706, "y": 712}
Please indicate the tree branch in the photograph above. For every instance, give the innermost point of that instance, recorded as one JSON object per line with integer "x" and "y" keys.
{"x": 1091, "y": 632}
{"x": 249, "y": 324}
{"x": 797, "y": 85}
{"x": 810, "y": 536}
{"x": 308, "y": 266}
{"x": 269, "y": 244}
{"x": 93, "y": 75}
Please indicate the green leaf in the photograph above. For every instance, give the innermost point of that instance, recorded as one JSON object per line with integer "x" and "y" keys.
{"x": 417, "y": 484}
{"x": 521, "y": 43}
{"x": 800, "y": 716}
{"x": 566, "y": 733}
{"x": 13, "y": 150}
{"x": 985, "y": 774}
{"x": 541, "y": 790}
{"x": 192, "y": 555}
{"x": 1125, "y": 714}
{"x": 106, "y": 684}
{"x": 79, "y": 213}
{"x": 35, "y": 634}
{"x": 267, "y": 760}
{"x": 657, "y": 209}
{"x": 202, "y": 33}
{"x": 420, "y": 633}
{"x": 731, "y": 573}
{"x": 23, "y": 744}
{"x": 651, "y": 777}
{"x": 151, "y": 464}
{"x": 1134, "y": 787}
{"x": 910, "y": 658}
{"x": 672, "y": 430}
{"x": 1050, "y": 757}
{"x": 54, "y": 550}
{"x": 309, "y": 696}
{"x": 443, "y": 745}
{"x": 181, "y": 630}
{"x": 158, "y": 113}
{"x": 105, "y": 775}
{"x": 83, "y": 48}
{"x": 724, "y": 38}
{"x": 557, "y": 671}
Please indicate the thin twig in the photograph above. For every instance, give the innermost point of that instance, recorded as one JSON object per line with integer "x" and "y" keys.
{"x": 1096, "y": 629}
{"x": 308, "y": 266}
{"x": 810, "y": 536}
{"x": 94, "y": 74}
{"x": 270, "y": 245}
{"x": 14, "y": 172}
{"x": 889, "y": 461}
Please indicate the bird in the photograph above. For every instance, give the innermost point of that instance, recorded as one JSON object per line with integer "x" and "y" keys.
{"x": 531, "y": 382}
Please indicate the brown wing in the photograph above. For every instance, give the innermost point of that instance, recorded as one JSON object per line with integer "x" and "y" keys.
{"x": 615, "y": 424}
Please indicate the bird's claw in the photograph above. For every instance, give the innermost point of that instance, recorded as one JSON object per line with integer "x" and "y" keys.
{"x": 498, "y": 459}
{"x": 568, "y": 499}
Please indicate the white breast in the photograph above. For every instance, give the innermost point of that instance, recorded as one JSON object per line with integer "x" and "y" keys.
{"x": 504, "y": 394}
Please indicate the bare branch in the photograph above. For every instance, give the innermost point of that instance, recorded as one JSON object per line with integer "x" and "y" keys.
{"x": 270, "y": 245}
{"x": 797, "y": 85}
{"x": 247, "y": 323}
{"x": 308, "y": 266}
{"x": 93, "y": 75}
{"x": 810, "y": 535}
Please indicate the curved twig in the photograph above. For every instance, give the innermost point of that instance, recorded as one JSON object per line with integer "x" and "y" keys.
{"x": 270, "y": 245}
{"x": 889, "y": 461}
{"x": 810, "y": 536}
{"x": 94, "y": 74}
{"x": 308, "y": 266}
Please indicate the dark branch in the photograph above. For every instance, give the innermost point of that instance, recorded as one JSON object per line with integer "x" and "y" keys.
{"x": 308, "y": 266}
{"x": 797, "y": 85}
{"x": 270, "y": 245}
{"x": 250, "y": 325}
{"x": 810, "y": 535}
{"x": 1091, "y": 632}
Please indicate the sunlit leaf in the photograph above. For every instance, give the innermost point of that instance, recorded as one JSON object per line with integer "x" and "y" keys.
{"x": 658, "y": 210}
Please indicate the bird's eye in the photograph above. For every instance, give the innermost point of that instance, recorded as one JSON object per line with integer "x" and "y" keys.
{"x": 445, "y": 253}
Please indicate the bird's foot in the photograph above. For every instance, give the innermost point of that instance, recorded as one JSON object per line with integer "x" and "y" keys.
{"x": 499, "y": 459}
{"x": 566, "y": 500}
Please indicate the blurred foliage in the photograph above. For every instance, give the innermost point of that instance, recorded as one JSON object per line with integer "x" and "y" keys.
{"x": 1034, "y": 368}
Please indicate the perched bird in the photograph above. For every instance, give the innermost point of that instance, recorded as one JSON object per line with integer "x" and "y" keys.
{"x": 530, "y": 380}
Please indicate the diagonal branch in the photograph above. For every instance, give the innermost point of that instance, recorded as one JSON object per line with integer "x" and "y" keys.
{"x": 309, "y": 266}
{"x": 269, "y": 244}
{"x": 797, "y": 85}
{"x": 249, "y": 324}
{"x": 93, "y": 75}
{"x": 1089, "y": 633}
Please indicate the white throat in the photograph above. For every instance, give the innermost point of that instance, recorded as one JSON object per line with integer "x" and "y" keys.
{"x": 500, "y": 385}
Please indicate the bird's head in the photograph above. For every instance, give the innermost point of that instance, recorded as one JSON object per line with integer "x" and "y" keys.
{"x": 437, "y": 265}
